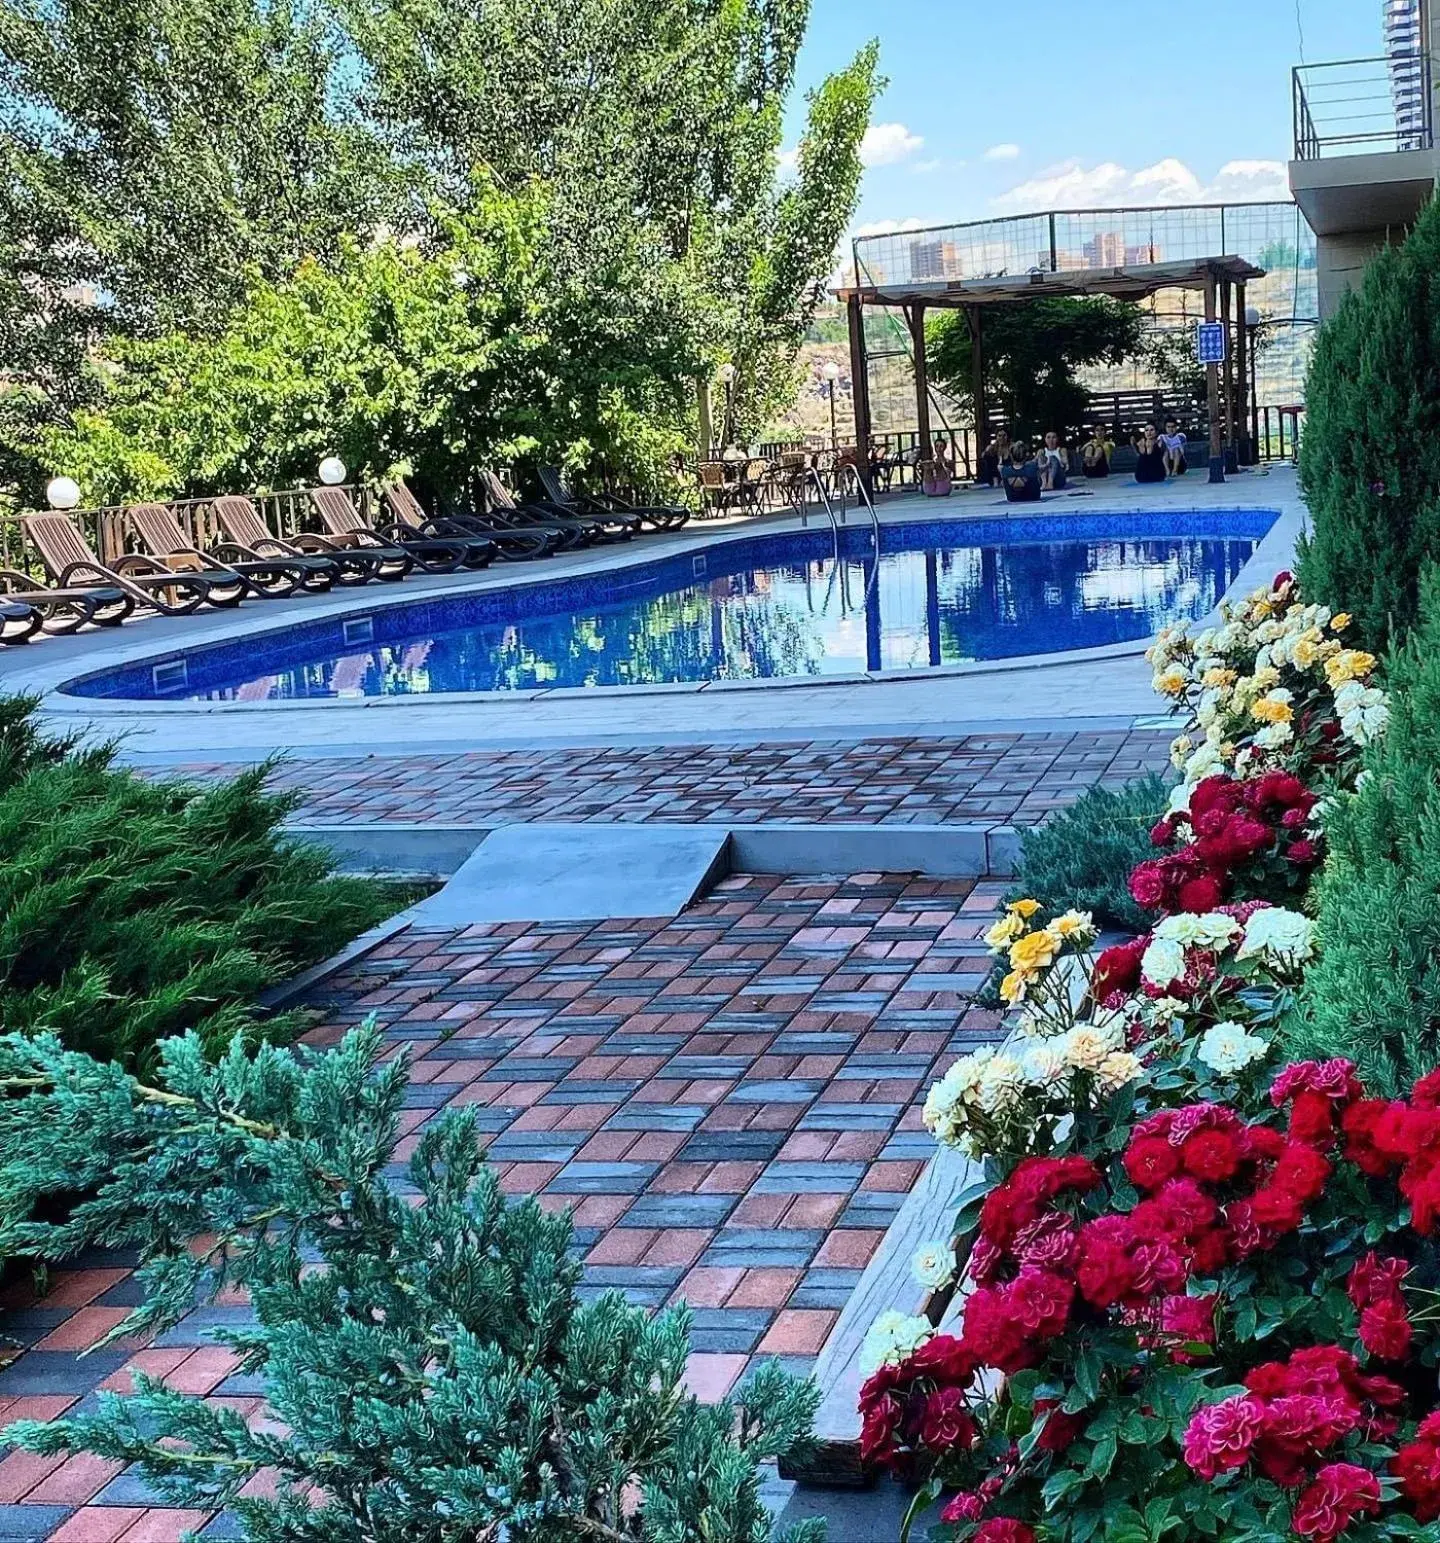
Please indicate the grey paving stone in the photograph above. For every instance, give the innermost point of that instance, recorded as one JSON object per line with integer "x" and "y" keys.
{"x": 636, "y": 1296}
{"x": 870, "y": 1208}
{"x": 535, "y": 1146}
{"x": 540, "y": 1069}
{"x": 130, "y": 1488}
{"x": 793, "y": 1090}
{"x": 680, "y": 1210}
{"x": 753, "y": 1247}
{"x": 707, "y": 1066}
{"x": 659, "y": 1117}
{"x": 819, "y": 1178}
{"x": 31, "y": 1523}
{"x": 656, "y": 1275}
{"x": 850, "y": 1117}
{"x": 430, "y": 1095}
{"x": 719, "y": 1146}
{"x": 58, "y": 1371}
{"x": 196, "y": 1328}
{"x": 602, "y": 1179}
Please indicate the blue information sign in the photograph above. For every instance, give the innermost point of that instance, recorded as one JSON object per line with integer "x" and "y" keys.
{"x": 1210, "y": 342}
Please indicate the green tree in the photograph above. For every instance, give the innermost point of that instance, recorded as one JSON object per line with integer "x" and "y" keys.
{"x": 1370, "y": 455}
{"x": 1032, "y": 351}
{"x": 1374, "y": 993}
{"x": 432, "y": 1374}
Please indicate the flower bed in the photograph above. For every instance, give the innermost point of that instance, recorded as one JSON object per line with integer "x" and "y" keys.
{"x": 1196, "y": 1277}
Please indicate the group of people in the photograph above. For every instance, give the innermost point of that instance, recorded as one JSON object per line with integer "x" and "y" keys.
{"x": 1025, "y": 475}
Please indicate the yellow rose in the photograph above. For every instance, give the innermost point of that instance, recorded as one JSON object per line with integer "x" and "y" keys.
{"x": 1341, "y": 622}
{"x": 1072, "y": 924}
{"x": 1216, "y": 678}
{"x": 1004, "y": 931}
{"x": 1263, "y": 679}
{"x": 1034, "y": 951}
{"x": 1025, "y": 908}
{"x": 1269, "y": 710}
{"x": 1348, "y": 664}
{"x": 1172, "y": 682}
{"x": 1012, "y": 988}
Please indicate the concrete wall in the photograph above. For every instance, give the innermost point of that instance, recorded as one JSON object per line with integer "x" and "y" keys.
{"x": 1341, "y": 262}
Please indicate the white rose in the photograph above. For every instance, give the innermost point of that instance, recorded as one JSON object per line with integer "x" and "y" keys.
{"x": 891, "y": 1338}
{"x": 1180, "y": 798}
{"x": 1227, "y": 1048}
{"x": 1045, "y": 1064}
{"x": 1162, "y": 962}
{"x": 1273, "y": 735}
{"x": 1209, "y": 930}
{"x": 1275, "y": 934}
{"x": 1001, "y": 1086}
{"x": 1086, "y": 1046}
{"x": 933, "y": 1265}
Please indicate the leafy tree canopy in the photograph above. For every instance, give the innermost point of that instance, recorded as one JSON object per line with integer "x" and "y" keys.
{"x": 208, "y": 167}
{"x": 1032, "y": 352}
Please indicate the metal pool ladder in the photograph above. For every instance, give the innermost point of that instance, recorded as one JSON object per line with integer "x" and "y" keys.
{"x": 850, "y": 471}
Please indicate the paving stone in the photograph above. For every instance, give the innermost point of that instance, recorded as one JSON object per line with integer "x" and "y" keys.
{"x": 679, "y": 1210}
{"x": 579, "y": 1178}
{"x": 731, "y": 1145}
{"x": 58, "y": 1371}
{"x": 824, "y": 1178}
{"x": 31, "y": 1523}
{"x": 762, "y": 1247}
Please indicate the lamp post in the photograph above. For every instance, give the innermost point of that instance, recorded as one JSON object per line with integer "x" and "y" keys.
{"x": 832, "y": 374}
{"x": 62, "y": 493}
{"x": 727, "y": 377}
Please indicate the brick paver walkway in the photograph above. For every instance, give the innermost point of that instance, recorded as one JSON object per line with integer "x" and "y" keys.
{"x": 986, "y": 779}
{"x": 729, "y": 1099}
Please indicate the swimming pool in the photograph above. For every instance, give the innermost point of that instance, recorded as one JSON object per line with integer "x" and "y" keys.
{"x": 760, "y": 607}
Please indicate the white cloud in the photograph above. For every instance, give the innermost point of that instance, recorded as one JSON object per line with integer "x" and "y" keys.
{"x": 924, "y": 168}
{"x": 788, "y": 161}
{"x": 891, "y": 227}
{"x": 1071, "y": 185}
{"x": 1003, "y": 153}
{"x": 886, "y": 143}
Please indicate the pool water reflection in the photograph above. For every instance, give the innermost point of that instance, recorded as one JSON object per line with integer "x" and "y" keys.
{"x": 801, "y": 616}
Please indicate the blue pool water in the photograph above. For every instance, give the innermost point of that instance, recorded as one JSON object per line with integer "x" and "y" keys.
{"x": 756, "y": 608}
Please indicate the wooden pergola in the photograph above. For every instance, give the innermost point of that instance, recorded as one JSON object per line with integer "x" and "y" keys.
{"x": 1221, "y": 279}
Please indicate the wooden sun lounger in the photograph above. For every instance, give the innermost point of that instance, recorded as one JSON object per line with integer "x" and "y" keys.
{"x": 71, "y": 563}
{"x": 509, "y": 544}
{"x": 19, "y": 621}
{"x": 322, "y": 562}
{"x": 161, "y": 533}
{"x": 431, "y": 554}
{"x": 501, "y": 505}
{"x": 64, "y": 611}
{"x": 606, "y": 505}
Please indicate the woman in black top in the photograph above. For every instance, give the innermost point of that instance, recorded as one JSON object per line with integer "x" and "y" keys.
{"x": 1149, "y": 456}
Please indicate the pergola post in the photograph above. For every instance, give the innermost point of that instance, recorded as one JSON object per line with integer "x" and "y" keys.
{"x": 977, "y": 379}
{"x": 1227, "y": 379}
{"x": 860, "y": 387}
{"x": 1212, "y": 391}
{"x": 915, "y": 314}
{"x": 1242, "y": 379}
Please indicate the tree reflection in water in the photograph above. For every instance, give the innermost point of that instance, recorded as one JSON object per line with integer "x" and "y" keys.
{"x": 923, "y": 608}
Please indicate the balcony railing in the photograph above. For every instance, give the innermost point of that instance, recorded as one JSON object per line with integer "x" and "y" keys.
{"x": 1363, "y": 106}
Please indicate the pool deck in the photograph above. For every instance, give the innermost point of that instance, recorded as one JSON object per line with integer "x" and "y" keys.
{"x": 1107, "y": 686}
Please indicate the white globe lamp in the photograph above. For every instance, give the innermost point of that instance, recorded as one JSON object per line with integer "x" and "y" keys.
{"x": 727, "y": 373}
{"x": 62, "y": 492}
{"x": 832, "y": 372}
{"x": 332, "y": 471}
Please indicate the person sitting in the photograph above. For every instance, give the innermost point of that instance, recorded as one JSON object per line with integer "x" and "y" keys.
{"x": 942, "y": 455}
{"x": 1053, "y": 462}
{"x": 1021, "y": 476}
{"x": 1149, "y": 456}
{"x": 1174, "y": 443}
{"x": 993, "y": 459}
{"x": 1095, "y": 454}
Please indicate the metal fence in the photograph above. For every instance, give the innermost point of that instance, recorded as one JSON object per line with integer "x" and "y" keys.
{"x": 1363, "y": 106}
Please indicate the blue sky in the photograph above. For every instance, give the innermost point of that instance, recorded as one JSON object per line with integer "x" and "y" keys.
{"x": 994, "y": 108}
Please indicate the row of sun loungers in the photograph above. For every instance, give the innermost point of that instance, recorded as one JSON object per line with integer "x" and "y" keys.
{"x": 175, "y": 578}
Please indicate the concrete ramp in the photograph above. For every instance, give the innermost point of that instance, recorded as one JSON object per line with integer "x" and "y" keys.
{"x": 579, "y": 873}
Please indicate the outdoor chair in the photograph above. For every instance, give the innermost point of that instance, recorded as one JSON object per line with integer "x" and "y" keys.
{"x": 507, "y": 544}
{"x": 321, "y": 562}
{"x": 602, "y": 524}
{"x": 69, "y": 560}
{"x": 714, "y": 487}
{"x": 431, "y": 554}
{"x": 602, "y": 505}
{"x": 161, "y": 534}
{"x": 501, "y": 505}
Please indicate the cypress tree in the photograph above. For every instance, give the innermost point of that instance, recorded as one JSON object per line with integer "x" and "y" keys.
{"x": 432, "y": 1373}
{"x": 1374, "y": 993}
{"x": 1370, "y": 456}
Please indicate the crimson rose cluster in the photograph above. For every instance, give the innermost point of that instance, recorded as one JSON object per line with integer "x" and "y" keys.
{"x": 1054, "y": 1258}
{"x": 1235, "y": 835}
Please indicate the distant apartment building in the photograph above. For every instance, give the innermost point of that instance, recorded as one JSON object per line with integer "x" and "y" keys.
{"x": 1404, "y": 22}
{"x": 934, "y": 260}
